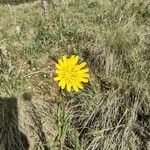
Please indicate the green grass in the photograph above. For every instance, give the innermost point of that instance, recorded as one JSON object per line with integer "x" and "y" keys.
{"x": 113, "y": 37}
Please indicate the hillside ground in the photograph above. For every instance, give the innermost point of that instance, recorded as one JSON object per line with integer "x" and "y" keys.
{"x": 113, "y": 110}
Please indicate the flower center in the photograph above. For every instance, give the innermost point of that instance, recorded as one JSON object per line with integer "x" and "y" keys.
{"x": 70, "y": 74}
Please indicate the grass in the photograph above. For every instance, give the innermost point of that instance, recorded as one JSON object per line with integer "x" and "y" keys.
{"x": 113, "y": 37}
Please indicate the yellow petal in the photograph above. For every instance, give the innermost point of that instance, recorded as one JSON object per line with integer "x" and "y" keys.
{"x": 72, "y": 56}
{"x": 58, "y": 66}
{"x": 75, "y": 88}
{"x": 57, "y": 78}
{"x": 68, "y": 87}
{"x": 60, "y": 61}
{"x": 82, "y": 65}
{"x": 80, "y": 85}
{"x": 73, "y": 60}
{"x": 84, "y": 75}
{"x": 58, "y": 72}
{"x": 76, "y": 59}
{"x": 62, "y": 84}
{"x": 84, "y": 80}
{"x": 64, "y": 59}
{"x": 84, "y": 70}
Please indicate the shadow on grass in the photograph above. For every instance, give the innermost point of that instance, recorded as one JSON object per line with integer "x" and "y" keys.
{"x": 15, "y": 2}
{"x": 10, "y": 136}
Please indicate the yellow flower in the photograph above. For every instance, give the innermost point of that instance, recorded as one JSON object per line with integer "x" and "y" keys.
{"x": 70, "y": 74}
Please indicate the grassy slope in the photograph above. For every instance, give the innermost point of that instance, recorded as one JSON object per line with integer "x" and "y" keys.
{"x": 113, "y": 110}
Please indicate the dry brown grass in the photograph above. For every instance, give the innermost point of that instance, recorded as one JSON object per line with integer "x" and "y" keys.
{"x": 113, "y": 111}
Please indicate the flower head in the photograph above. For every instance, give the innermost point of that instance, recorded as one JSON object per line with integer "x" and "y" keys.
{"x": 70, "y": 74}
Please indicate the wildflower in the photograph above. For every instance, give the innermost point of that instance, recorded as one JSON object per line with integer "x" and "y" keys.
{"x": 70, "y": 74}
